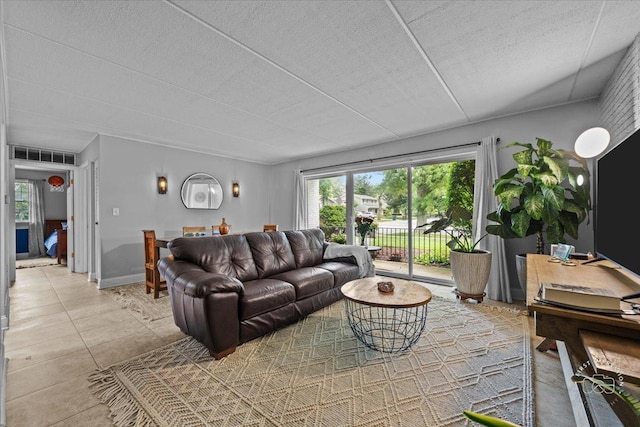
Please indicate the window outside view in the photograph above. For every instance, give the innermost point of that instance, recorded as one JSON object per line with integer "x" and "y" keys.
{"x": 22, "y": 201}
{"x": 396, "y": 236}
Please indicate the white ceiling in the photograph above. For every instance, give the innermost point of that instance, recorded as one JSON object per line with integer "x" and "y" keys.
{"x": 272, "y": 81}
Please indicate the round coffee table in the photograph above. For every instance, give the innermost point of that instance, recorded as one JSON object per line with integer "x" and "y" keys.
{"x": 387, "y": 322}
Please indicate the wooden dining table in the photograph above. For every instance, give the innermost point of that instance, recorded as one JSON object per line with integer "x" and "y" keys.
{"x": 163, "y": 242}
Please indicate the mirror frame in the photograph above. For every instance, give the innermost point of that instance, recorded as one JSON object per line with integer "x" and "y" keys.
{"x": 209, "y": 195}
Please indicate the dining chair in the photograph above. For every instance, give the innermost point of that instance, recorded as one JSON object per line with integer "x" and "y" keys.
{"x": 270, "y": 227}
{"x": 194, "y": 231}
{"x": 153, "y": 281}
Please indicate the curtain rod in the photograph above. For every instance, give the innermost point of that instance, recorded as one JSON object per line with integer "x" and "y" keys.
{"x": 395, "y": 155}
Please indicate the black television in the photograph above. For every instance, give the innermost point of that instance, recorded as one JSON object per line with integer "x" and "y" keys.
{"x": 617, "y": 223}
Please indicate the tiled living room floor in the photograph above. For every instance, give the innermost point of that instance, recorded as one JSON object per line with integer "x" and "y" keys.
{"x": 62, "y": 328}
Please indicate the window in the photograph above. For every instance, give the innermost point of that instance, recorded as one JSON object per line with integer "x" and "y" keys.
{"x": 22, "y": 201}
{"x": 401, "y": 199}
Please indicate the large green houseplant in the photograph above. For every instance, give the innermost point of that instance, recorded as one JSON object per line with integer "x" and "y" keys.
{"x": 456, "y": 223}
{"x": 470, "y": 266}
{"x": 545, "y": 194}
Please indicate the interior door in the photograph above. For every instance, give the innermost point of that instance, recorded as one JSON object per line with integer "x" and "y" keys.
{"x": 94, "y": 209}
{"x": 70, "y": 223}
{"x": 80, "y": 219}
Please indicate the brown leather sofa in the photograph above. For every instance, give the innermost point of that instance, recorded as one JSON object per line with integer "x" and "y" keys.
{"x": 227, "y": 290}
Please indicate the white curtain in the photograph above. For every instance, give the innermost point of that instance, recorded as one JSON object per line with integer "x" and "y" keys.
{"x": 300, "y": 207}
{"x": 36, "y": 218}
{"x": 485, "y": 201}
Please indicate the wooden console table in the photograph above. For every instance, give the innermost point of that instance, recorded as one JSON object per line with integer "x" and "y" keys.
{"x": 572, "y": 326}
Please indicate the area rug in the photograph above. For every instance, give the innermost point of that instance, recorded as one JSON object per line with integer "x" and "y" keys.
{"x": 36, "y": 262}
{"x": 315, "y": 373}
{"x": 135, "y": 298}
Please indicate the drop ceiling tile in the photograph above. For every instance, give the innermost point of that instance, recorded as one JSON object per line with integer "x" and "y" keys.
{"x": 38, "y": 131}
{"x": 356, "y": 52}
{"x": 156, "y": 40}
{"x": 494, "y": 57}
{"x": 51, "y": 65}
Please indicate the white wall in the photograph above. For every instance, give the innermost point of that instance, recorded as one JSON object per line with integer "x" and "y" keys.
{"x": 561, "y": 125}
{"x": 128, "y": 172}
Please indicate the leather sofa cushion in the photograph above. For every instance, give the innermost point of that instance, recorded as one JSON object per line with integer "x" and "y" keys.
{"x": 229, "y": 255}
{"x": 342, "y": 272}
{"x": 308, "y": 281}
{"x": 271, "y": 253}
{"x": 264, "y": 295}
{"x": 307, "y": 246}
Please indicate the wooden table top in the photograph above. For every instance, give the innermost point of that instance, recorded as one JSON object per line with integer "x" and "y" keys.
{"x": 602, "y": 274}
{"x": 405, "y": 293}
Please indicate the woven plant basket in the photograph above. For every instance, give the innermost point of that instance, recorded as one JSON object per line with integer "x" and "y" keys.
{"x": 471, "y": 272}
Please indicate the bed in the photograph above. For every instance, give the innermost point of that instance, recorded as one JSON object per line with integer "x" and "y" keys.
{"x": 55, "y": 242}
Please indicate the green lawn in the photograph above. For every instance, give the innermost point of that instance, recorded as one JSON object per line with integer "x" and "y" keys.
{"x": 428, "y": 248}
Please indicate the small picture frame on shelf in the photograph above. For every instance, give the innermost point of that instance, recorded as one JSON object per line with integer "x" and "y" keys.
{"x": 562, "y": 252}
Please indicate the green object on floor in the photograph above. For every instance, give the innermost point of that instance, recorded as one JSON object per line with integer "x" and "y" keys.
{"x": 487, "y": 420}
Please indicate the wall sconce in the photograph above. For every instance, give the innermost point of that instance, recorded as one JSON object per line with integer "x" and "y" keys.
{"x": 235, "y": 189}
{"x": 592, "y": 142}
{"x": 162, "y": 185}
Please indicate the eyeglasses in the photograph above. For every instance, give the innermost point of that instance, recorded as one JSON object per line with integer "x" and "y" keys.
{"x": 563, "y": 262}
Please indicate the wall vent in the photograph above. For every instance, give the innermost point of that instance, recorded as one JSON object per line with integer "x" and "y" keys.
{"x": 42, "y": 155}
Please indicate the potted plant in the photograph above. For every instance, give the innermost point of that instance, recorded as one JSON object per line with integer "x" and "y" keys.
{"x": 470, "y": 266}
{"x": 544, "y": 195}
{"x": 395, "y": 256}
{"x": 363, "y": 225}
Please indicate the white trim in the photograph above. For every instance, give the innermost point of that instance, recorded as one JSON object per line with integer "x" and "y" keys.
{"x": 443, "y": 155}
{"x": 119, "y": 281}
{"x": 579, "y": 411}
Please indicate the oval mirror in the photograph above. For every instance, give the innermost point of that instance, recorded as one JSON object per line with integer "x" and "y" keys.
{"x": 201, "y": 191}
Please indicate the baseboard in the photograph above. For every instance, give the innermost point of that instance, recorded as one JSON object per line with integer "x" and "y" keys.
{"x": 3, "y": 385}
{"x": 119, "y": 281}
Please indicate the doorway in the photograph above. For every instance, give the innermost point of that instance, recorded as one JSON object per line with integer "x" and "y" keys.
{"x": 61, "y": 205}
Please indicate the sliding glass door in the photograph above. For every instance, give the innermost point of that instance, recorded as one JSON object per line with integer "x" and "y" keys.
{"x": 327, "y": 206}
{"x": 388, "y": 209}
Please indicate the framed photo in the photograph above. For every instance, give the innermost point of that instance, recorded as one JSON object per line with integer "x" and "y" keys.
{"x": 562, "y": 251}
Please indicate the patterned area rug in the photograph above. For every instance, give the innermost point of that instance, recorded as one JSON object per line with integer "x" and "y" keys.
{"x": 315, "y": 373}
{"x": 135, "y": 298}
{"x": 36, "y": 262}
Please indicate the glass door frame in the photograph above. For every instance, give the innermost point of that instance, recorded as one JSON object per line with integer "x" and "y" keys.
{"x": 454, "y": 155}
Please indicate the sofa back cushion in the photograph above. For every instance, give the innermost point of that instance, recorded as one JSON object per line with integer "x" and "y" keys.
{"x": 307, "y": 246}
{"x": 271, "y": 252}
{"x": 229, "y": 255}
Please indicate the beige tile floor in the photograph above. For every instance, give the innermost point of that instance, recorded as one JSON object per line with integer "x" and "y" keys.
{"x": 62, "y": 328}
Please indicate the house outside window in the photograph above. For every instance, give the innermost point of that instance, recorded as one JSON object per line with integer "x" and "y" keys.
{"x": 22, "y": 201}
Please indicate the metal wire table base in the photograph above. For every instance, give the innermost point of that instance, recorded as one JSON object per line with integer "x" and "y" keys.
{"x": 386, "y": 329}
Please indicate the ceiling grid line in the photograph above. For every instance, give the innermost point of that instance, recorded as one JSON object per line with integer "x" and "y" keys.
{"x": 587, "y": 49}
{"x": 279, "y": 67}
{"x": 138, "y": 138}
{"x": 148, "y": 76}
{"x": 88, "y": 127}
{"x": 426, "y": 58}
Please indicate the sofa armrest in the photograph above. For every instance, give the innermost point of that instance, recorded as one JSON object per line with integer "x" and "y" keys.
{"x": 350, "y": 259}
{"x": 347, "y": 259}
{"x": 194, "y": 281}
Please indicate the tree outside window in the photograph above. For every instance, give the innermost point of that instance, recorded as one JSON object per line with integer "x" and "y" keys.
{"x": 22, "y": 201}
